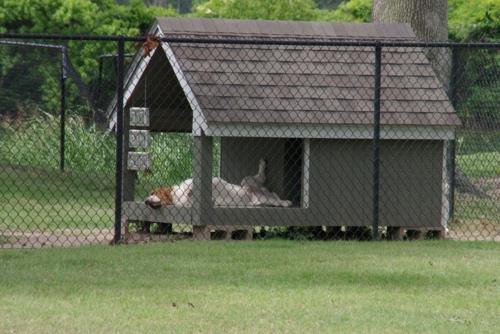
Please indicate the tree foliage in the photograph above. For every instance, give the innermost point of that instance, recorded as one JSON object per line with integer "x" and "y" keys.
{"x": 78, "y": 16}
{"x": 34, "y": 75}
{"x": 258, "y": 9}
{"x": 474, "y": 20}
{"x": 467, "y": 20}
{"x": 350, "y": 11}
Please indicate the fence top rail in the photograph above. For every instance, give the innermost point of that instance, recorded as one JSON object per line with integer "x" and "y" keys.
{"x": 250, "y": 41}
{"x": 40, "y": 45}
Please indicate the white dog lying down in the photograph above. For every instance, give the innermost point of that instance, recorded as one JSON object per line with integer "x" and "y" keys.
{"x": 251, "y": 192}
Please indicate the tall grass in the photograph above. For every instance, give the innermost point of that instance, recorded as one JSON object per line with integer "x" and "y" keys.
{"x": 171, "y": 160}
{"x": 35, "y": 143}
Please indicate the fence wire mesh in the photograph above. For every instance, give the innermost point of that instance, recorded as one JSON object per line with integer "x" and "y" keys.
{"x": 234, "y": 139}
{"x": 56, "y": 162}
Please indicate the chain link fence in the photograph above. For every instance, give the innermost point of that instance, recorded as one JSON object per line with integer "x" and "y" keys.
{"x": 249, "y": 138}
{"x": 56, "y": 161}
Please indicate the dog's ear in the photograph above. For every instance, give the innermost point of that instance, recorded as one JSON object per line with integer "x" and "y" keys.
{"x": 165, "y": 195}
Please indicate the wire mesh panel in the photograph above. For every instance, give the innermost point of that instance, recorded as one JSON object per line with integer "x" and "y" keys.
{"x": 242, "y": 138}
{"x": 56, "y": 163}
{"x": 475, "y": 94}
{"x": 256, "y": 115}
{"x": 285, "y": 132}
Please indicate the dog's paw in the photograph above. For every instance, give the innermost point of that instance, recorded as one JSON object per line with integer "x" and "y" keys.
{"x": 286, "y": 204}
{"x": 153, "y": 201}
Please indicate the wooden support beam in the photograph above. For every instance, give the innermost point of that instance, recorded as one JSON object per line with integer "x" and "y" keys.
{"x": 395, "y": 232}
{"x": 416, "y": 234}
{"x": 441, "y": 234}
{"x": 202, "y": 180}
{"x": 333, "y": 232}
{"x": 201, "y": 232}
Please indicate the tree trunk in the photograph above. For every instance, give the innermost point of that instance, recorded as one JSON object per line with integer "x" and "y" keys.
{"x": 429, "y": 21}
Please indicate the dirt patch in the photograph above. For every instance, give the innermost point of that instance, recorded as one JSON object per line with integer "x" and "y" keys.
{"x": 72, "y": 238}
{"x": 56, "y": 238}
{"x": 490, "y": 185}
{"x": 474, "y": 230}
{"x": 478, "y": 218}
{"x": 144, "y": 238}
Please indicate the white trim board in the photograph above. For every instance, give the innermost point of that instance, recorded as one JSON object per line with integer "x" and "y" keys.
{"x": 329, "y": 131}
{"x": 445, "y": 187}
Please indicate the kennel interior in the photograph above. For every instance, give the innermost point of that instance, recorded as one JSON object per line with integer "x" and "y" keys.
{"x": 308, "y": 110}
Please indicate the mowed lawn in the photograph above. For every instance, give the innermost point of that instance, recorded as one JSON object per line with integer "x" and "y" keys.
{"x": 253, "y": 287}
{"x": 37, "y": 199}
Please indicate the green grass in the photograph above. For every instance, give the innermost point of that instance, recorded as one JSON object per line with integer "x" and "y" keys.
{"x": 478, "y": 152}
{"x": 486, "y": 164}
{"x": 471, "y": 141}
{"x": 477, "y": 208}
{"x": 255, "y": 287}
{"x": 38, "y": 199}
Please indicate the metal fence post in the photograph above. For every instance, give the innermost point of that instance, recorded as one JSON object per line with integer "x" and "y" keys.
{"x": 62, "y": 122}
{"x": 119, "y": 141}
{"x": 452, "y": 147}
{"x": 376, "y": 142}
{"x": 452, "y": 167}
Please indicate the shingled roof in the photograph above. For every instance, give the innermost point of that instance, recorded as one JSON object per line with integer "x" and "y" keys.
{"x": 302, "y": 84}
{"x": 224, "y": 28}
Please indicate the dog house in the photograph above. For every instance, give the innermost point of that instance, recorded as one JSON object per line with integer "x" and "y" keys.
{"x": 308, "y": 107}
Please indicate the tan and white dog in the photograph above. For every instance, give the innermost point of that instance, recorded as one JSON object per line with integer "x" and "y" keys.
{"x": 250, "y": 192}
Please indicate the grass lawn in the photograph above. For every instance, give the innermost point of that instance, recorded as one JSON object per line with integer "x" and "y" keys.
{"x": 262, "y": 286}
{"x": 483, "y": 164}
{"x": 36, "y": 199}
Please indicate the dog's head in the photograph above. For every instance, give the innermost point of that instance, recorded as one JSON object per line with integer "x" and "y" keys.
{"x": 159, "y": 197}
